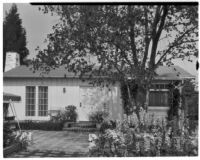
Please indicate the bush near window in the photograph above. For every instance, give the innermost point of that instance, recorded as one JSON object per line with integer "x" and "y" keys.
{"x": 98, "y": 116}
{"x": 68, "y": 115}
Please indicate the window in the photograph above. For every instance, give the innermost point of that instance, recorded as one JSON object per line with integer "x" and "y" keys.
{"x": 159, "y": 98}
{"x": 42, "y": 100}
{"x": 159, "y": 86}
{"x": 30, "y": 101}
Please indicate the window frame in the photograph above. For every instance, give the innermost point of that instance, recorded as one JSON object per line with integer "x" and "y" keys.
{"x": 42, "y": 101}
{"x": 162, "y": 90}
{"x": 27, "y": 103}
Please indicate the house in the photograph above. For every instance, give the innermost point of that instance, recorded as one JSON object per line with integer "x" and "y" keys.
{"x": 54, "y": 91}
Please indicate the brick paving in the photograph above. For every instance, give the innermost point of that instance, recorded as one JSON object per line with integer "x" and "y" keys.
{"x": 56, "y": 144}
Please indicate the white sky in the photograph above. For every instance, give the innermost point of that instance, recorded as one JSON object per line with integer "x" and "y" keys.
{"x": 38, "y": 25}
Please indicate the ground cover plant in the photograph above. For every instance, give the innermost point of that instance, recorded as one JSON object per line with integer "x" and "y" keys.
{"x": 13, "y": 136}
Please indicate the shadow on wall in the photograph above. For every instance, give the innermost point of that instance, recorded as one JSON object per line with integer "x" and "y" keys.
{"x": 103, "y": 99}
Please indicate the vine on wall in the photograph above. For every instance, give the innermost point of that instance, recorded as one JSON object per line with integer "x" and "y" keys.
{"x": 174, "y": 99}
{"x": 125, "y": 98}
{"x": 137, "y": 95}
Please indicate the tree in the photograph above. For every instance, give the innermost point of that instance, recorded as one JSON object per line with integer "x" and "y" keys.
{"x": 14, "y": 35}
{"x": 124, "y": 40}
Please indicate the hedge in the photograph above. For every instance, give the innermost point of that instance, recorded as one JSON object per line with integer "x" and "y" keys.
{"x": 41, "y": 125}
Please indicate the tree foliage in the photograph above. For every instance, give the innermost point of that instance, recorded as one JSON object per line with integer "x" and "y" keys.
{"x": 14, "y": 35}
{"x": 126, "y": 41}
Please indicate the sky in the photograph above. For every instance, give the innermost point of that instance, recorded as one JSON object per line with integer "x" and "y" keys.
{"x": 38, "y": 25}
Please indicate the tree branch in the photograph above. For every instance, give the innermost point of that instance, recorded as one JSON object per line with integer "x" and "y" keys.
{"x": 114, "y": 64}
{"x": 157, "y": 34}
{"x": 131, "y": 21}
{"x": 147, "y": 40}
{"x": 176, "y": 44}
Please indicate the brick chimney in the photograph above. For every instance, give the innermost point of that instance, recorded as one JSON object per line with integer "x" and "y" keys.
{"x": 12, "y": 61}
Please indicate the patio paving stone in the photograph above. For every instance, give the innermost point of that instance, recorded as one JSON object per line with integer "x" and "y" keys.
{"x": 56, "y": 144}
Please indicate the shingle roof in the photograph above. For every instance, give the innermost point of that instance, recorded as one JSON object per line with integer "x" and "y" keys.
{"x": 163, "y": 72}
{"x": 172, "y": 72}
{"x": 27, "y": 72}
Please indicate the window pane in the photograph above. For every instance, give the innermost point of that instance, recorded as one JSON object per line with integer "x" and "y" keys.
{"x": 43, "y": 101}
{"x": 162, "y": 86}
{"x": 160, "y": 98}
{"x": 30, "y": 101}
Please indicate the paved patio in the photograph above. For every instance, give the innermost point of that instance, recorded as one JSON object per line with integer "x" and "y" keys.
{"x": 56, "y": 144}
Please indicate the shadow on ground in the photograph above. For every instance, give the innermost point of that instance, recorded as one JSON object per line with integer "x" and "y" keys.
{"x": 55, "y": 144}
{"x": 46, "y": 153}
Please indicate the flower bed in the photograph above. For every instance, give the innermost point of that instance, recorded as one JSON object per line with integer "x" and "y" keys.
{"x": 11, "y": 149}
{"x": 155, "y": 139}
{"x": 15, "y": 140}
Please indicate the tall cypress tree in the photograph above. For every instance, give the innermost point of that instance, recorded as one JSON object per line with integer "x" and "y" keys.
{"x": 14, "y": 35}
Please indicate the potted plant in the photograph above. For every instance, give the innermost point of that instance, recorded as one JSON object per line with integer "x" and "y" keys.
{"x": 98, "y": 117}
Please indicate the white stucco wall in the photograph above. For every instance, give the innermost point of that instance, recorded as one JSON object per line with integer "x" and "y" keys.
{"x": 57, "y": 99}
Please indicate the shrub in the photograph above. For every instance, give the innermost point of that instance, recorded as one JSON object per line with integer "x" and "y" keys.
{"x": 68, "y": 115}
{"x": 71, "y": 113}
{"x": 8, "y": 137}
{"x": 107, "y": 124}
{"x": 41, "y": 125}
{"x": 98, "y": 116}
{"x": 156, "y": 139}
{"x": 11, "y": 136}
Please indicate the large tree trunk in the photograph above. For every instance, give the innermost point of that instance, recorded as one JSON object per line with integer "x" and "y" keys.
{"x": 133, "y": 102}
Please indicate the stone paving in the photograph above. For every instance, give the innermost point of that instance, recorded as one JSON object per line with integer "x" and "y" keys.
{"x": 56, "y": 144}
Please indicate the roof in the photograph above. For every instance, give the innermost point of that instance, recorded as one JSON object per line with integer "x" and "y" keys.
{"x": 27, "y": 72}
{"x": 172, "y": 72}
{"x": 163, "y": 72}
{"x": 8, "y": 96}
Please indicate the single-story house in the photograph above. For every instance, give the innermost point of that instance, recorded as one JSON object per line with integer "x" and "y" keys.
{"x": 58, "y": 89}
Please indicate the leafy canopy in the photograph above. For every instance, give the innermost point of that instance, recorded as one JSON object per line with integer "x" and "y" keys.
{"x": 121, "y": 40}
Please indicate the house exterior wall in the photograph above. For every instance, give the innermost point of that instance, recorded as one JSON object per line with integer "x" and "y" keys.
{"x": 57, "y": 98}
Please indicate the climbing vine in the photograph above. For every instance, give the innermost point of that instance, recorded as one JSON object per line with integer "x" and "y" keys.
{"x": 174, "y": 99}
{"x": 137, "y": 95}
{"x": 125, "y": 97}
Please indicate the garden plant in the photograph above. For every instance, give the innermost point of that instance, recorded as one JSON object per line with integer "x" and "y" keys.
{"x": 149, "y": 137}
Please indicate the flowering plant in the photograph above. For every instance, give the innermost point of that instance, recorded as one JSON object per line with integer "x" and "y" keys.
{"x": 156, "y": 138}
{"x": 25, "y": 138}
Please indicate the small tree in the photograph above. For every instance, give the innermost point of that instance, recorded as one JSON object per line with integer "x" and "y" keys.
{"x": 14, "y": 35}
{"x": 123, "y": 40}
